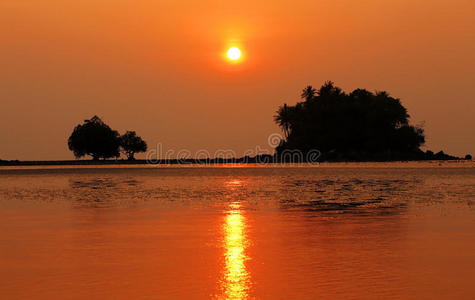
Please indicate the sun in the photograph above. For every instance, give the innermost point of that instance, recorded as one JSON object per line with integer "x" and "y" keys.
{"x": 234, "y": 53}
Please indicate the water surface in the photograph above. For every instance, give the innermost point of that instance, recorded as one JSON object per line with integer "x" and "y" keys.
{"x": 337, "y": 231}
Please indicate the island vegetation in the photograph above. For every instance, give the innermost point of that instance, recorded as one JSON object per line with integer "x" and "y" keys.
{"x": 356, "y": 126}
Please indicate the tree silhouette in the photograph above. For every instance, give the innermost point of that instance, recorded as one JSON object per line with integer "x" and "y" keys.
{"x": 357, "y": 126}
{"x": 283, "y": 118}
{"x": 131, "y": 143}
{"x": 94, "y": 138}
{"x": 329, "y": 89}
{"x": 308, "y": 93}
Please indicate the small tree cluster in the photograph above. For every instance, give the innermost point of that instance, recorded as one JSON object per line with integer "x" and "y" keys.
{"x": 97, "y": 139}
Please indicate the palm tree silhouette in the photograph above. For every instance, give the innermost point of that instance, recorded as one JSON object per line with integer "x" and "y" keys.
{"x": 308, "y": 93}
{"x": 283, "y": 118}
{"x": 329, "y": 89}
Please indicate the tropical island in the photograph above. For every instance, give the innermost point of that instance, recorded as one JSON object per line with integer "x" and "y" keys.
{"x": 356, "y": 126}
{"x": 338, "y": 126}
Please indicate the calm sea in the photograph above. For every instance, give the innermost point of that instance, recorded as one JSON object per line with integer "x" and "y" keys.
{"x": 332, "y": 231}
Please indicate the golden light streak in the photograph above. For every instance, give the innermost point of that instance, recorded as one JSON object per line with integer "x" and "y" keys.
{"x": 236, "y": 281}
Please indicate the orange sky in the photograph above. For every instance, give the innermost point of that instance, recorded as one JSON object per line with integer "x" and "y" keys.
{"x": 156, "y": 67}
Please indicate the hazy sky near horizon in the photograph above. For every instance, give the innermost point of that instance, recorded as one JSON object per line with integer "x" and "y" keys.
{"x": 157, "y": 67}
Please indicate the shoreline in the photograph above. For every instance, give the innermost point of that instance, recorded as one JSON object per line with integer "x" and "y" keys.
{"x": 187, "y": 162}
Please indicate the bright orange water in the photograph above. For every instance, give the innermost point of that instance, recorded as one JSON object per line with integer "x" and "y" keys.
{"x": 339, "y": 231}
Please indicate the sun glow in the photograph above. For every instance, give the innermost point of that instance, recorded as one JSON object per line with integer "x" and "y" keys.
{"x": 234, "y": 53}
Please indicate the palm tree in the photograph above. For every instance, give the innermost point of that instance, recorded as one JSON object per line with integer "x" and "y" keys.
{"x": 308, "y": 93}
{"x": 283, "y": 118}
{"x": 329, "y": 89}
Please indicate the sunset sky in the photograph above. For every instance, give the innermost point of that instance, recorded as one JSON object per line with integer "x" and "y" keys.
{"x": 159, "y": 67}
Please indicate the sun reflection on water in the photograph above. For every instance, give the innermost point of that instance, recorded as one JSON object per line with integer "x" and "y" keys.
{"x": 236, "y": 279}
